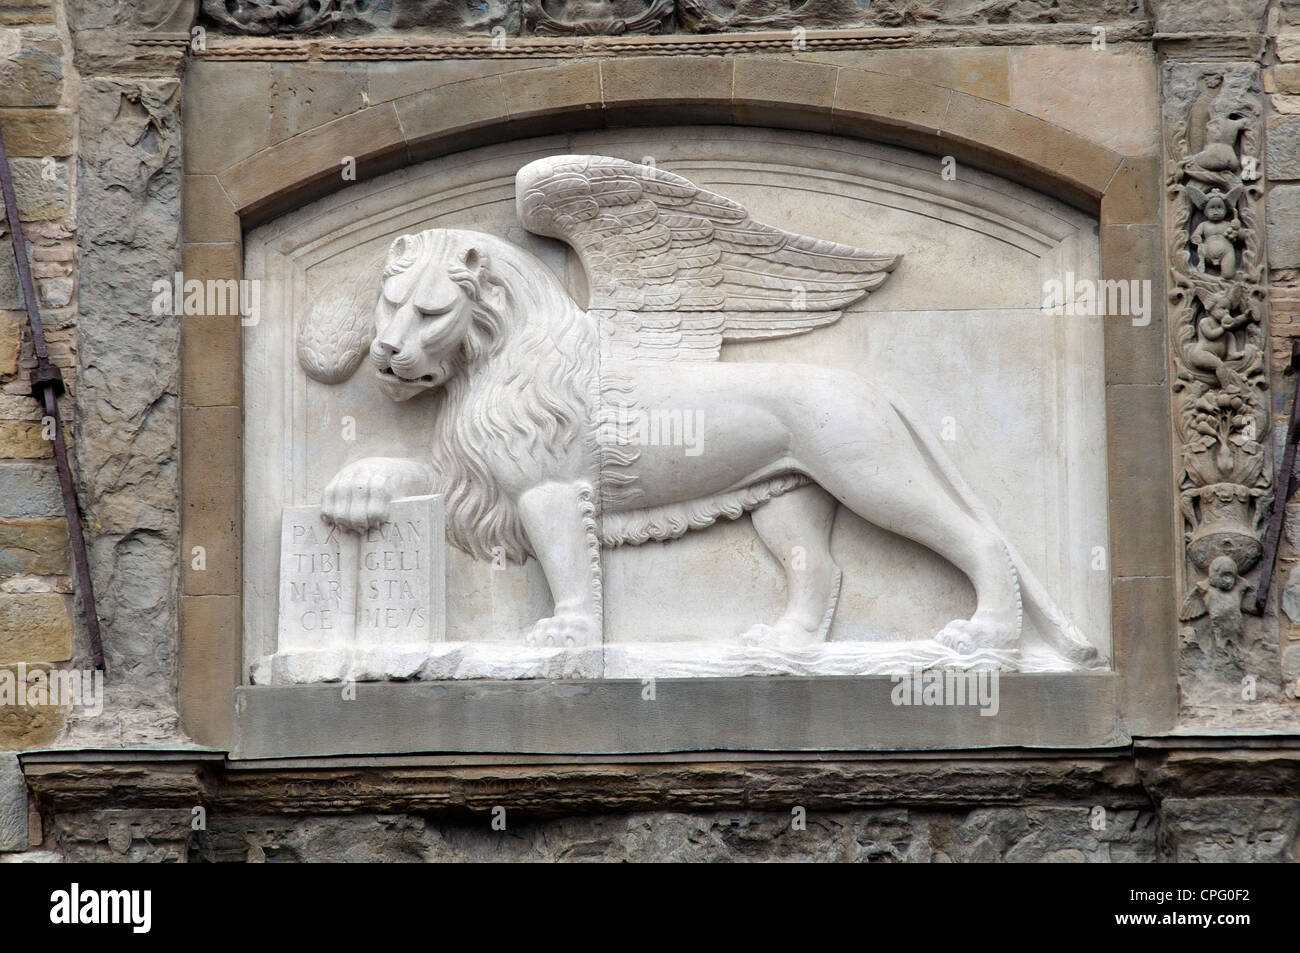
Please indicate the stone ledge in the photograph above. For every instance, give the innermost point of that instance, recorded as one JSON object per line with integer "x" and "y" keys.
{"x": 610, "y": 716}
{"x": 416, "y": 45}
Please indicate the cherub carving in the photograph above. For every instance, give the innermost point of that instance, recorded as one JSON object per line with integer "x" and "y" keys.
{"x": 1215, "y": 236}
{"x": 1217, "y": 343}
{"x": 525, "y": 381}
{"x": 1221, "y": 596}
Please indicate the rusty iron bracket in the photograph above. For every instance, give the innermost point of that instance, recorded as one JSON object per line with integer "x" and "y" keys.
{"x": 47, "y": 385}
{"x": 1283, "y": 488}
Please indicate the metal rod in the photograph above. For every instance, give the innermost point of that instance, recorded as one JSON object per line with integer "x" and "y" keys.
{"x": 47, "y": 385}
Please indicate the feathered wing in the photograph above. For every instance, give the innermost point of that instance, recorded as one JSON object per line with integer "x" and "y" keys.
{"x": 675, "y": 270}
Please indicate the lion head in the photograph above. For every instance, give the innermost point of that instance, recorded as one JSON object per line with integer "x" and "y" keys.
{"x": 441, "y": 309}
{"x": 488, "y": 326}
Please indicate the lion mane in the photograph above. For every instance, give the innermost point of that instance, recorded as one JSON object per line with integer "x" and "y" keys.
{"x": 522, "y": 388}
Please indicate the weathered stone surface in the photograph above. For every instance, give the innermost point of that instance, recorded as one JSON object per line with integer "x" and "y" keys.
{"x": 116, "y": 836}
{"x": 1093, "y": 97}
{"x": 1208, "y": 16}
{"x": 34, "y": 627}
{"x": 304, "y": 96}
{"x": 11, "y": 292}
{"x": 724, "y": 15}
{"x": 26, "y": 726}
{"x": 128, "y": 231}
{"x": 13, "y": 805}
{"x": 262, "y": 18}
{"x": 24, "y": 441}
{"x": 1231, "y": 830}
{"x": 1283, "y": 155}
{"x": 615, "y": 17}
{"x": 709, "y": 16}
{"x": 24, "y": 12}
{"x": 1291, "y": 595}
{"x": 1283, "y": 235}
{"x": 37, "y": 546}
{"x": 34, "y": 75}
{"x": 55, "y": 292}
{"x": 11, "y": 341}
{"x": 37, "y": 132}
{"x": 886, "y": 835}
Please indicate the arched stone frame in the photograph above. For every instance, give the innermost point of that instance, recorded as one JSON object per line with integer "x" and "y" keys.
{"x": 235, "y": 181}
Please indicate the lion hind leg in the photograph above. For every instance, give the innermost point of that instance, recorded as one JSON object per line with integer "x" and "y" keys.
{"x": 909, "y": 498}
{"x": 796, "y": 528}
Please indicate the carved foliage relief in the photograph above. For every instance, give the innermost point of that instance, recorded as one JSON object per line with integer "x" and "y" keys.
{"x": 630, "y": 17}
{"x": 1220, "y": 384}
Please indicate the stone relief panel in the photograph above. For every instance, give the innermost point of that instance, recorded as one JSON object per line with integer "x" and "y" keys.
{"x": 287, "y": 17}
{"x": 1217, "y": 286}
{"x": 628, "y": 17}
{"x": 691, "y": 402}
{"x": 597, "y": 17}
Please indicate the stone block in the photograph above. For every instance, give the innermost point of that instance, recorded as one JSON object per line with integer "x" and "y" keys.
{"x": 34, "y": 626}
{"x": 805, "y": 91}
{"x": 11, "y": 345}
{"x": 534, "y": 94}
{"x": 1134, "y": 194}
{"x": 431, "y": 119}
{"x": 1282, "y": 159}
{"x": 978, "y": 71}
{"x": 24, "y": 441}
{"x": 227, "y": 113}
{"x": 33, "y": 76}
{"x": 294, "y": 169}
{"x": 687, "y": 89}
{"x": 1283, "y": 222}
{"x": 37, "y": 132}
{"x": 55, "y": 292}
{"x": 212, "y": 474}
{"x": 29, "y": 490}
{"x": 900, "y": 102}
{"x": 1141, "y": 479}
{"x": 306, "y": 95}
{"x": 37, "y": 546}
{"x": 210, "y": 654}
{"x": 209, "y": 215}
{"x": 1105, "y": 96}
{"x": 26, "y": 726}
{"x": 1012, "y": 140}
{"x": 13, "y": 805}
{"x": 1136, "y": 353}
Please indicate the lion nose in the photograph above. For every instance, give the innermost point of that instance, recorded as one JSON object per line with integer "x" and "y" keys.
{"x": 384, "y": 349}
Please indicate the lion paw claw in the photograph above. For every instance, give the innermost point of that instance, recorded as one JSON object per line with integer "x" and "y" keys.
{"x": 966, "y": 636}
{"x": 566, "y": 631}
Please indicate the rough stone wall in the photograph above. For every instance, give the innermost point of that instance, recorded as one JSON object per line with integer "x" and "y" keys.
{"x": 37, "y": 115}
{"x": 1282, "y": 168}
{"x": 128, "y": 237}
{"x": 1185, "y": 830}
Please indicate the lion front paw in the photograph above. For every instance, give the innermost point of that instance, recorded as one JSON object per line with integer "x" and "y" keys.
{"x": 567, "y": 630}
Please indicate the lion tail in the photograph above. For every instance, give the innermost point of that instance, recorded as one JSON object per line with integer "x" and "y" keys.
{"x": 1062, "y": 634}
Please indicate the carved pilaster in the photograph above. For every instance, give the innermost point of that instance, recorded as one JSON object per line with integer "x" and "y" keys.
{"x": 1218, "y": 344}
